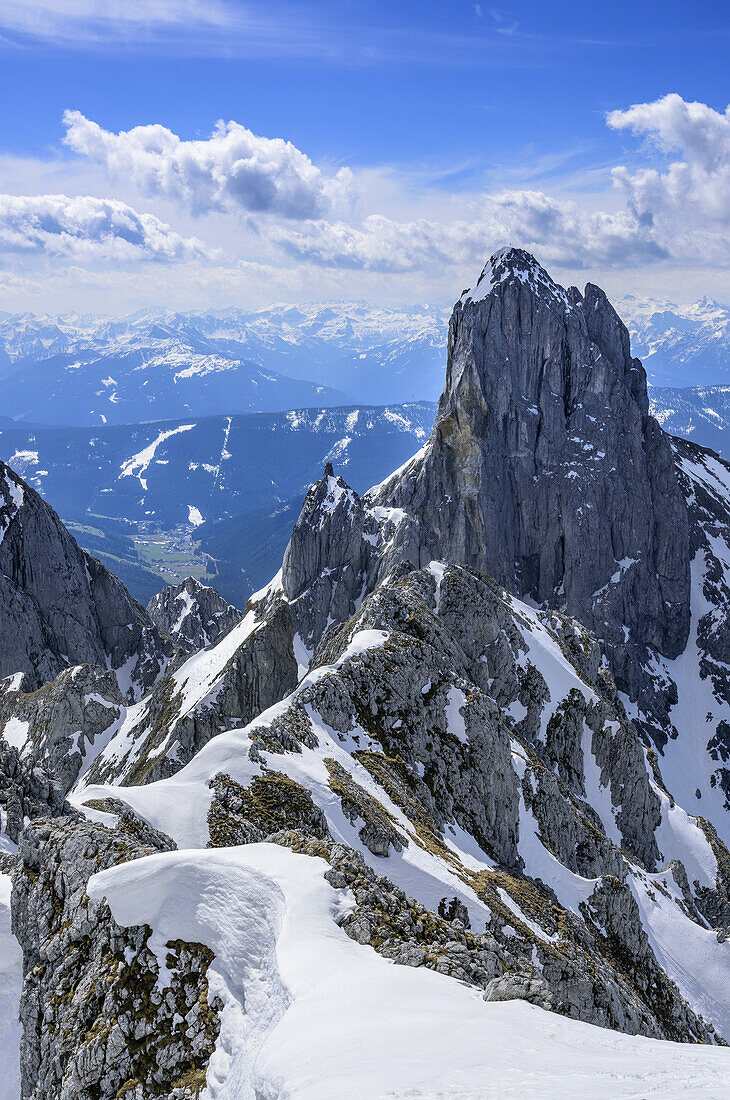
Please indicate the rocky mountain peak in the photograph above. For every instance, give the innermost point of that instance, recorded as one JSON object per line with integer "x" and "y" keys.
{"x": 514, "y": 267}
{"x": 326, "y": 534}
{"x": 194, "y": 615}
{"x": 59, "y": 606}
{"x": 545, "y": 469}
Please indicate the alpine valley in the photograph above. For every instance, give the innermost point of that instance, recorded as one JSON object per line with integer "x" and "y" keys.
{"x": 444, "y": 810}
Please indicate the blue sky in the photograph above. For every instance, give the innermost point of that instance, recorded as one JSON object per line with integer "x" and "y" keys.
{"x": 422, "y": 136}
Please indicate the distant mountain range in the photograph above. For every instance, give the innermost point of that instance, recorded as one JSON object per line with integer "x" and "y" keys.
{"x": 78, "y": 370}
{"x": 701, "y": 414}
{"x": 152, "y": 499}
{"x": 680, "y": 345}
{"x": 221, "y": 474}
{"x": 81, "y": 370}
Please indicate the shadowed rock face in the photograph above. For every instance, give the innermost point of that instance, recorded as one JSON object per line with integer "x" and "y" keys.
{"x": 59, "y": 606}
{"x": 545, "y": 468}
{"x": 194, "y": 615}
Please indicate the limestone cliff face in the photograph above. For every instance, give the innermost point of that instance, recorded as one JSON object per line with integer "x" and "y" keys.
{"x": 545, "y": 468}
{"x": 61, "y": 607}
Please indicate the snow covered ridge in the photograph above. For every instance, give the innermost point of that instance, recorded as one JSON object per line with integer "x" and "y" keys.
{"x": 194, "y": 615}
{"x": 355, "y": 323}
{"x": 680, "y": 345}
{"x": 140, "y": 367}
{"x": 292, "y": 984}
{"x": 699, "y": 413}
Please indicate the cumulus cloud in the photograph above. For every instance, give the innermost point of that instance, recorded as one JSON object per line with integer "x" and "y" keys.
{"x": 687, "y": 204}
{"x": 680, "y": 211}
{"x": 233, "y": 169}
{"x": 305, "y": 224}
{"x": 558, "y": 229}
{"x": 89, "y": 227}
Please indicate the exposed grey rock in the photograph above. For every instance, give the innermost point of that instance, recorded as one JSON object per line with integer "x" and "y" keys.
{"x": 545, "y": 468}
{"x": 66, "y": 719}
{"x": 192, "y": 614}
{"x": 27, "y": 792}
{"x": 520, "y": 987}
{"x": 476, "y": 635}
{"x": 59, "y": 606}
{"x": 95, "y": 1024}
{"x": 240, "y": 815}
{"x": 169, "y": 731}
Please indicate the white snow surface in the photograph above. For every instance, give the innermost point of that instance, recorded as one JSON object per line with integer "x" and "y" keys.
{"x": 137, "y": 465}
{"x": 326, "y": 1018}
{"x": 11, "y": 981}
{"x": 15, "y": 732}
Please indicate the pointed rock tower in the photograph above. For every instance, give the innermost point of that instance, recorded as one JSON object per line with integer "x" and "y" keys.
{"x": 545, "y": 468}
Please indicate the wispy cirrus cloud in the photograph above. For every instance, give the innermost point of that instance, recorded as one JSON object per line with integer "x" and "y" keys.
{"x": 326, "y": 30}
{"x": 87, "y": 22}
{"x": 233, "y": 169}
{"x": 90, "y": 228}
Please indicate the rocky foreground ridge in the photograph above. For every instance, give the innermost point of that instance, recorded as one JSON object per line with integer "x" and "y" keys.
{"x": 485, "y": 707}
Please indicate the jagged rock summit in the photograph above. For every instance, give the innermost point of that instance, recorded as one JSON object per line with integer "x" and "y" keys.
{"x": 59, "y": 606}
{"x": 194, "y": 615}
{"x": 545, "y": 468}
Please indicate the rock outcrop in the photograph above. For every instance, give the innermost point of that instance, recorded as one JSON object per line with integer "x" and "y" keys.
{"x": 61, "y": 607}
{"x": 63, "y": 724}
{"x": 223, "y": 687}
{"x": 97, "y": 1023}
{"x": 545, "y": 468}
{"x": 192, "y": 614}
{"x": 27, "y": 792}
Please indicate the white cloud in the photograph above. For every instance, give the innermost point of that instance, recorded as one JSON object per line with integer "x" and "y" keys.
{"x": 558, "y": 229}
{"x": 89, "y": 227}
{"x": 233, "y": 169}
{"x": 300, "y": 231}
{"x": 687, "y": 205}
{"x": 676, "y": 213}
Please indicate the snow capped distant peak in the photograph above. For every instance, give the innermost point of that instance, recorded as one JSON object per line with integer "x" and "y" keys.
{"x": 680, "y": 345}
{"x": 514, "y": 265}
